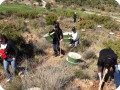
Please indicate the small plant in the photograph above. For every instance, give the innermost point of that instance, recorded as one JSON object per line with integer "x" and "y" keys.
{"x": 111, "y": 25}
{"x": 115, "y": 45}
{"x": 48, "y": 6}
{"x": 86, "y": 24}
{"x": 86, "y": 42}
{"x": 51, "y": 18}
{"x": 80, "y": 74}
{"x": 89, "y": 54}
{"x": 82, "y": 9}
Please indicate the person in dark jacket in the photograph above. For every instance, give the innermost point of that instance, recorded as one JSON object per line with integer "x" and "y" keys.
{"x": 11, "y": 52}
{"x": 106, "y": 64}
{"x": 57, "y": 36}
{"x": 75, "y": 17}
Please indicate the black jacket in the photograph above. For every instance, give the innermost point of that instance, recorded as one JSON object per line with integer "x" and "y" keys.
{"x": 11, "y": 49}
{"x": 104, "y": 55}
{"x": 57, "y": 35}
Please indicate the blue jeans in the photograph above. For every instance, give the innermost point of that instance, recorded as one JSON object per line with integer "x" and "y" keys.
{"x": 6, "y": 66}
{"x": 117, "y": 78}
{"x": 55, "y": 48}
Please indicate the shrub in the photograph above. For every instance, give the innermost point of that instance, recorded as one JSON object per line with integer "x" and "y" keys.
{"x": 51, "y": 18}
{"x": 25, "y": 14}
{"x": 28, "y": 14}
{"x": 89, "y": 54}
{"x": 48, "y": 6}
{"x": 80, "y": 74}
{"x": 11, "y": 12}
{"x": 86, "y": 42}
{"x": 68, "y": 13}
{"x": 99, "y": 19}
{"x": 87, "y": 24}
{"x": 83, "y": 9}
{"x": 111, "y": 25}
{"x": 115, "y": 45}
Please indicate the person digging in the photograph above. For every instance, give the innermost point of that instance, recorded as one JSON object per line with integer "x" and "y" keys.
{"x": 106, "y": 66}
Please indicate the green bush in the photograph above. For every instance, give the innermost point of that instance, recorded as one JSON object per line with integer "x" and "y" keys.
{"x": 111, "y": 25}
{"x": 99, "y": 19}
{"x": 29, "y": 14}
{"x": 80, "y": 74}
{"x": 87, "y": 24}
{"x": 13, "y": 25}
{"x": 11, "y": 12}
{"x": 51, "y": 18}
{"x": 10, "y": 29}
{"x": 25, "y": 14}
{"x": 86, "y": 42}
{"x": 48, "y": 6}
{"x": 68, "y": 13}
{"x": 115, "y": 45}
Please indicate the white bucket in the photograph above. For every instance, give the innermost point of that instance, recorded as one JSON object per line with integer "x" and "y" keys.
{"x": 118, "y": 88}
{"x": 73, "y": 57}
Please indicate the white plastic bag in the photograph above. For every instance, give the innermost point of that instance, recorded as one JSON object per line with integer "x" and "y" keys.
{"x": 117, "y": 67}
{"x": 118, "y": 88}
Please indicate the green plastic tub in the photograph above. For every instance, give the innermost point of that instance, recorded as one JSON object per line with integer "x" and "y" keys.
{"x": 48, "y": 37}
{"x": 66, "y": 37}
{"x": 73, "y": 57}
{"x": 66, "y": 40}
{"x": 66, "y": 34}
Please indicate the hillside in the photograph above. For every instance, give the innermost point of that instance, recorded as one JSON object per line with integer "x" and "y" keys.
{"x": 26, "y": 26}
{"x": 108, "y": 5}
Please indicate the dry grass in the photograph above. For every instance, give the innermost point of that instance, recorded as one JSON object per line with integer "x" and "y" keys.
{"x": 49, "y": 77}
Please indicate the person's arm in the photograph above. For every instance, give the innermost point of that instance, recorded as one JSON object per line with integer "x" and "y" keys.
{"x": 51, "y": 31}
{"x": 100, "y": 72}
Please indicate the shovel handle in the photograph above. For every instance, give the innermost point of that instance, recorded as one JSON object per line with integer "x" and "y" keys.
{"x": 106, "y": 70}
{"x": 102, "y": 82}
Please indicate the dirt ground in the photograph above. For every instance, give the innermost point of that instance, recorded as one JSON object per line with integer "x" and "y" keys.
{"x": 89, "y": 85}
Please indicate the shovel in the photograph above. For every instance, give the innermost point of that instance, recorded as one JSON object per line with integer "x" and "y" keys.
{"x": 61, "y": 46}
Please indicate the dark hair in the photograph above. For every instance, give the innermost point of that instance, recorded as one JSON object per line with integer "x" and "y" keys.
{"x": 3, "y": 38}
{"x": 109, "y": 61}
{"x": 73, "y": 29}
{"x": 57, "y": 25}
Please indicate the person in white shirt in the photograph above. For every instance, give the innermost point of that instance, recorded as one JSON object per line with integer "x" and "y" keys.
{"x": 74, "y": 40}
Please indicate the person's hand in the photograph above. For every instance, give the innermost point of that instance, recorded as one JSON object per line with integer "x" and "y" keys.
{"x": 106, "y": 71}
{"x": 100, "y": 83}
{"x": 61, "y": 40}
{"x": 111, "y": 69}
